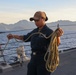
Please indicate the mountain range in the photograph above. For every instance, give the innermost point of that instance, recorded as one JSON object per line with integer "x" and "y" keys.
{"x": 24, "y": 24}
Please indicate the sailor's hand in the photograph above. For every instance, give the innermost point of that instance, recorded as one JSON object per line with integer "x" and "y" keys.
{"x": 59, "y": 32}
{"x": 10, "y": 36}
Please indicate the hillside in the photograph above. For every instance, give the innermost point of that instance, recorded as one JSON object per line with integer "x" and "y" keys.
{"x": 24, "y": 24}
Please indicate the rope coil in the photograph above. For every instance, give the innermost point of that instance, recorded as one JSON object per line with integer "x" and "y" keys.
{"x": 52, "y": 53}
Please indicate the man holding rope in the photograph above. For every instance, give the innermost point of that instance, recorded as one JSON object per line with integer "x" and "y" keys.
{"x": 40, "y": 40}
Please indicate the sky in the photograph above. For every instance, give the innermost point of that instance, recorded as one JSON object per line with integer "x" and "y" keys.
{"x": 11, "y": 11}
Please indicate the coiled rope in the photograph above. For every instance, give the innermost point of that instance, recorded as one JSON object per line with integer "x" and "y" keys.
{"x": 52, "y": 55}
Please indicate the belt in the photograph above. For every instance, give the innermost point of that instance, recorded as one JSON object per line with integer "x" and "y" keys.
{"x": 34, "y": 53}
{"x": 38, "y": 53}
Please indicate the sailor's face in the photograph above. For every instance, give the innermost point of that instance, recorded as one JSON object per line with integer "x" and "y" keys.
{"x": 39, "y": 23}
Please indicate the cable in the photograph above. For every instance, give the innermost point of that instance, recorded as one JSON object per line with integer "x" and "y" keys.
{"x": 52, "y": 53}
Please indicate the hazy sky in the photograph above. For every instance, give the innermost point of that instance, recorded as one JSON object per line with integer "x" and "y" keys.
{"x": 11, "y": 11}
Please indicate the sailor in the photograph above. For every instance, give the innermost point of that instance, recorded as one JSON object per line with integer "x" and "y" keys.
{"x": 39, "y": 43}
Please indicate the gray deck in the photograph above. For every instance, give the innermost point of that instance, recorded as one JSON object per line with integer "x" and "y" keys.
{"x": 67, "y": 65}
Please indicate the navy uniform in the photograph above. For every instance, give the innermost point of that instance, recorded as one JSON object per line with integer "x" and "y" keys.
{"x": 39, "y": 45}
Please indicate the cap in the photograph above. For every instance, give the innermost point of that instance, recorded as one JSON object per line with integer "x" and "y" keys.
{"x": 38, "y": 15}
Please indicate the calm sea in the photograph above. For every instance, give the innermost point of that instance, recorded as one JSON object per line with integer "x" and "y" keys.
{"x": 68, "y": 40}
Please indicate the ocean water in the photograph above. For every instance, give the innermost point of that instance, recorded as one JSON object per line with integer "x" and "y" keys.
{"x": 68, "y": 40}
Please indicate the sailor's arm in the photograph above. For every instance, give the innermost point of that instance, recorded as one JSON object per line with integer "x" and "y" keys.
{"x": 58, "y": 41}
{"x": 59, "y": 34}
